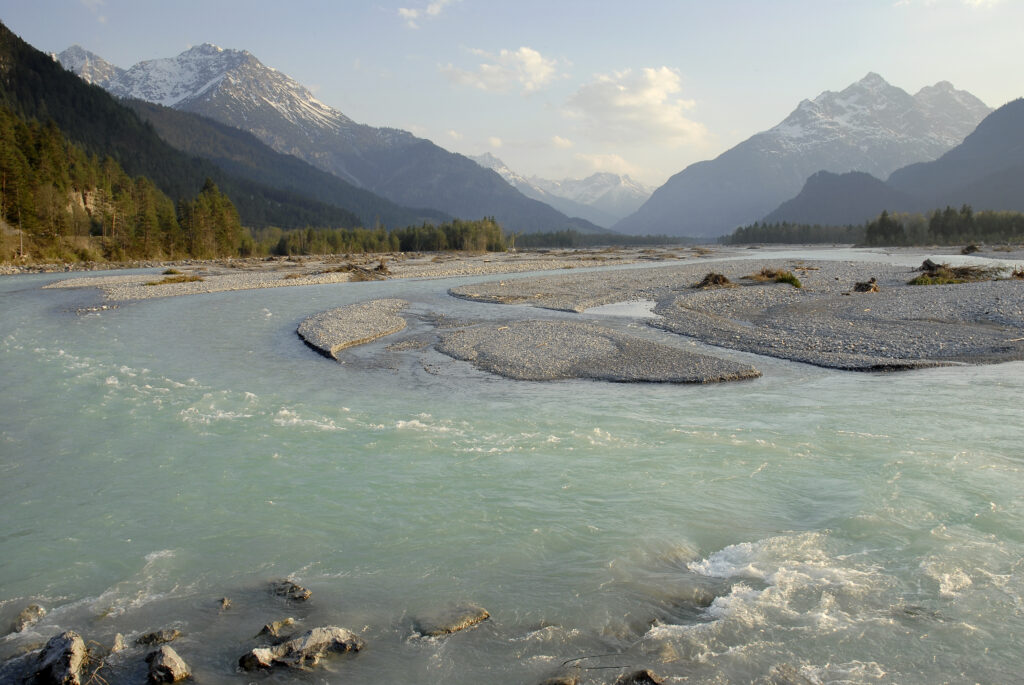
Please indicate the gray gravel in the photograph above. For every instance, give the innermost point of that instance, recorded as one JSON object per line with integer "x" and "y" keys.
{"x": 824, "y": 323}
{"x": 557, "y": 349}
{"x": 334, "y": 330}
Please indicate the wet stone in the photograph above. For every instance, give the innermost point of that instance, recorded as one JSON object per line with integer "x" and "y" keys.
{"x": 451, "y": 620}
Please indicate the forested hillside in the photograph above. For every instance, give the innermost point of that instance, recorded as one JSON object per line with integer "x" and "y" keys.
{"x": 57, "y": 202}
{"x": 35, "y": 87}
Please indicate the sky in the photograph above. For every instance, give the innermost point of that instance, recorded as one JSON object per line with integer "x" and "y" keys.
{"x": 568, "y": 88}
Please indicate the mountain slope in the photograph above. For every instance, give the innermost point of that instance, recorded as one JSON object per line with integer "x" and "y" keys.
{"x": 838, "y": 200}
{"x": 985, "y": 171}
{"x": 242, "y": 154}
{"x": 234, "y": 88}
{"x": 870, "y": 126}
{"x": 36, "y": 87}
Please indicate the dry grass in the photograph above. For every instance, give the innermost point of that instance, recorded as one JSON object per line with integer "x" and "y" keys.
{"x": 180, "y": 278}
{"x": 714, "y": 280}
{"x": 769, "y": 275}
{"x": 944, "y": 274}
{"x": 293, "y": 275}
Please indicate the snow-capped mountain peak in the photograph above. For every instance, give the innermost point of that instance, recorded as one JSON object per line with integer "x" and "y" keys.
{"x": 89, "y": 66}
{"x": 602, "y": 197}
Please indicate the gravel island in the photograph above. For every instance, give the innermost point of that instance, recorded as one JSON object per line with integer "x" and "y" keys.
{"x": 539, "y": 350}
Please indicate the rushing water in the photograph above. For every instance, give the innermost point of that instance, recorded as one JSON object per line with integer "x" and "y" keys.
{"x": 838, "y": 527}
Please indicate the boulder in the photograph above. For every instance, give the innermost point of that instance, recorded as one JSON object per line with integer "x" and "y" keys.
{"x": 303, "y": 652}
{"x": 278, "y": 631}
{"x": 159, "y": 637}
{"x": 563, "y": 679}
{"x": 451, "y": 620}
{"x": 60, "y": 661}
{"x": 119, "y": 645}
{"x": 641, "y": 677}
{"x": 165, "y": 666}
{"x": 26, "y": 617}
{"x": 290, "y": 590}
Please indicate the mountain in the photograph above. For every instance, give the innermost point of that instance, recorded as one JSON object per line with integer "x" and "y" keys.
{"x": 241, "y": 154}
{"x": 831, "y": 199}
{"x": 602, "y": 198}
{"x": 870, "y": 126}
{"x": 985, "y": 171}
{"x": 235, "y": 88}
{"x": 34, "y": 86}
{"x": 89, "y": 66}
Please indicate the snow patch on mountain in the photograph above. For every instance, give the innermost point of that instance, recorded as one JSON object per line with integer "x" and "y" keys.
{"x": 602, "y": 198}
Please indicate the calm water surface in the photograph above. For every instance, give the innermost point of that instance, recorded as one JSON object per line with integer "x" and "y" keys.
{"x": 844, "y": 527}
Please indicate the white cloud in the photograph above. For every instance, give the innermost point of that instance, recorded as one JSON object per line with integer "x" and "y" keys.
{"x": 625, "y": 106}
{"x": 609, "y": 162}
{"x": 495, "y": 142}
{"x": 454, "y": 135}
{"x": 412, "y": 15}
{"x": 561, "y": 143}
{"x": 525, "y": 68}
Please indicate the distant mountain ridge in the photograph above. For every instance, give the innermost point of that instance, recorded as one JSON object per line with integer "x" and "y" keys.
{"x": 870, "y": 126}
{"x": 235, "y": 88}
{"x": 985, "y": 171}
{"x": 603, "y": 198}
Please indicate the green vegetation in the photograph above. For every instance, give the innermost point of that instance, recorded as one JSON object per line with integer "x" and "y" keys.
{"x": 945, "y": 227}
{"x": 59, "y": 203}
{"x": 769, "y": 275}
{"x": 794, "y": 234}
{"x": 484, "y": 235}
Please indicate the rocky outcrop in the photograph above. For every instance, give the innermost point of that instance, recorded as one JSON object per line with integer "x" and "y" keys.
{"x": 60, "y": 662}
{"x": 278, "y": 631}
{"x": 165, "y": 666}
{"x": 159, "y": 637}
{"x": 290, "y": 590}
{"x": 27, "y": 617}
{"x": 303, "y": 652}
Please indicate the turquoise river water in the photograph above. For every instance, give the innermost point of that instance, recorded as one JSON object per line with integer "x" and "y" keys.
{"x": 809, "y": 526}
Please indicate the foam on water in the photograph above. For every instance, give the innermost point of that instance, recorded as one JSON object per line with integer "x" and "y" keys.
{"x": 840, "y": 527}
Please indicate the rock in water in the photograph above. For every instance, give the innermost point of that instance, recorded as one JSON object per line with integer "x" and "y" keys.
{"x": 278, "y": 631}
{"x": 159, "y": 637}
{"x": 165, "y": 666}
{"x": 305, "y": 651}
{"x": 60, "y": 662}
{"x": 451, "y": 620}
{"x": 290, "y": 590}
{"x": 642, "y": 677}
{"x": 28, "y": 616}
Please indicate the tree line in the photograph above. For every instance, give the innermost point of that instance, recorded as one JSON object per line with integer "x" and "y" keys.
{"x": 794, "y": 234}
{"x": 58, "y": 202}
{"x": 947, "y": 226}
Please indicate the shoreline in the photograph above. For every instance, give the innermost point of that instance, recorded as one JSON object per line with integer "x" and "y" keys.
{"x": 823, "y": 323}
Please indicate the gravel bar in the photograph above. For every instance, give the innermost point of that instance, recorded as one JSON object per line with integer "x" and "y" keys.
{"x": 823, "y": 323}
{"x": 332, "y": 331}
{"x": 540, "y": 350}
